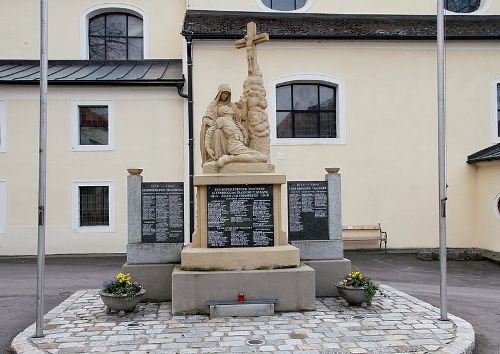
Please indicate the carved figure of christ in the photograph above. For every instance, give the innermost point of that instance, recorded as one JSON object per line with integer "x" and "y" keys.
{"x": 250, "y": 42}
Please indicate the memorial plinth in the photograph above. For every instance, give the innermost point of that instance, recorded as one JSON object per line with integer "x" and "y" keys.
{"x": 239, "y": 224}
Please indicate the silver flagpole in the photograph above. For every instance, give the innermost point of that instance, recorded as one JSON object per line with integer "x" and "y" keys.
{"x": 42, "y": 168}
{"x": 442, "y": 157}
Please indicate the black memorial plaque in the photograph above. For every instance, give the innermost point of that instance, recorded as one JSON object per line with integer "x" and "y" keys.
{"x": 307, "y": 210}
{"x": 163, "y": 212}
{"x": 240, "y": 216}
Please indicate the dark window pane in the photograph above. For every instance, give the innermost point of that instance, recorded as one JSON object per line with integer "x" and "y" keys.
{"x": 283, "y": 5}
{"x": 96, "y": 48}
{"x": 93, "y": 125}
{"x": 498, "y": 124}
{"x": 96, "y": 26}
{"x": 327, "y": 125}
{"x": 306, "y": 125}
{"x": 300, "y": 3}
{"x": 284, "y": 97}
{"x": 116, "y": 48}
{"x": 305, "y": 97}
{"x": 462, "y": 6}
{"x": 94, "y": 205}
{"x": 116, "y": 25}
{"x": 284, "y": 125}
{"x": 327, "y": 97}
{"x": 135, "y": 47}
{"x": 134, "y": 27}
{"x": 267, "y": 3}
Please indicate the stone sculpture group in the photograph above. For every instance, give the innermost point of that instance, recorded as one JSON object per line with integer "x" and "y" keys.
{"x": 238, "y": 132}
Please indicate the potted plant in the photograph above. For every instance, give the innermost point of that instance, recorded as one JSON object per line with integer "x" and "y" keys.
{"x": 121, "y": 294}
{"x": 356, "y": 289}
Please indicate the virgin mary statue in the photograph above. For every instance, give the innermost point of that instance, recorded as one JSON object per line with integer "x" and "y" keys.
{"x": 210, "y": 145}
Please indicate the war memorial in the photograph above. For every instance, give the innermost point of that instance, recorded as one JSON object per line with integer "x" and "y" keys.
{"x": 239, "y": 245}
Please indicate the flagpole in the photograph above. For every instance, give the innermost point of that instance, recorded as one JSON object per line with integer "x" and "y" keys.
{"x": 442, "y": 158}
{"x": 42, "y": 168}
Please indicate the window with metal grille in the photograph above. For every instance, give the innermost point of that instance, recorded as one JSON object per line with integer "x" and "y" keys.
{"x": 306, "y": 110}
{"x": 93, "y": 125}
{"x": 284, "y": 5}
{"x": 462, "y": 6}
{"x": 93, "y": 205}
{"x": 116, "y": 36}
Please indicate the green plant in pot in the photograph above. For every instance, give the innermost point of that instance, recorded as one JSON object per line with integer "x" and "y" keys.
{"x": 121, "y": 294}
{"x": 357, "y": 289}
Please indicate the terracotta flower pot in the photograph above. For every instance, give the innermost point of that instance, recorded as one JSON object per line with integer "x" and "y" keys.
{"x": 121, "y": 302}
{"x": 354, "y": 296}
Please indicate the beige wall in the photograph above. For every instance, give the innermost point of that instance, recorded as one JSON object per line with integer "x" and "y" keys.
{"x": 389, "y": 163}
{"x": 488, "y": 190}
{"x": 410, "y": 7}
{"x": 148, "y": 134}
{"x": 20, "y": 30}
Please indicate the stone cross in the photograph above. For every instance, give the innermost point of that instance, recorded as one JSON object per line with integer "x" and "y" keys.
{"x": 250, "y": 42}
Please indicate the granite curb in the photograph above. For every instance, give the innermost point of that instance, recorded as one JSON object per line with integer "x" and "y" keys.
{"x": 461, "y": 333}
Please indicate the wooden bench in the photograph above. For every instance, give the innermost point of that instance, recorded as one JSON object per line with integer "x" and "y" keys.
{"x": 381, "y": 237}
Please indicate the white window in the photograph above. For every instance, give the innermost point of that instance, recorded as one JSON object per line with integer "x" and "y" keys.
{"x": 285, "y": 5}
{"x": 3, "y": 127}
{"x": 92, "y": 126}
{"x": 3, "y": 206}
{"x": 93, "y": 207}
{"x": 466, "y": 7}
{"x": 307, "y": 109}
{"x": 114, "y": 31}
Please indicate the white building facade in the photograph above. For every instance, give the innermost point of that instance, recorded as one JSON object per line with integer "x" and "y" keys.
{"x": 350, "y": 85}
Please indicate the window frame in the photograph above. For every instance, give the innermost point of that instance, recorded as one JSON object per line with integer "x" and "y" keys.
{"x": 318, "y": 79}
{"x": 75, "y": 126}
{"x": 100, "y": 9}
{"x": 495, "y": 108}
{"x": 3, "y": 126}
{"x": 3, "y": 206}
{"x": 483, "y": 7}
{"x": 304, "y": 8}
{"x": 77, "y": 228}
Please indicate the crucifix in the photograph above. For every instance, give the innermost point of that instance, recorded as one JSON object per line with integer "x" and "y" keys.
{"x": 250, "y": 42}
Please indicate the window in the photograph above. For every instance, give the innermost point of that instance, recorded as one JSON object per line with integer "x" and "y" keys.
{"x": 3, "y": 127}
{"x": 92, "y": 126}
{"x": 3, "y": 207}
{"x": 93, "y": 209}
{"x": 115, "y": 36}
{"x": 462, "y": 6}
{"x": 285, "y": 5}
{"x": 306, "y": 110}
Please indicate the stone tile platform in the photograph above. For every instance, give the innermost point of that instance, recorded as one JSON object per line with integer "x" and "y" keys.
{"x": 395, "y": 323}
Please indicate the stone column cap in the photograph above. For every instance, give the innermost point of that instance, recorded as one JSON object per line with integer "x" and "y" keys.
{"x": 332, "y": 169}
{"x": 135, "y": 171}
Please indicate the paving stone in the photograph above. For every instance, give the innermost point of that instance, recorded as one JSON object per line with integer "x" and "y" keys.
{"x": 396, "y": 323}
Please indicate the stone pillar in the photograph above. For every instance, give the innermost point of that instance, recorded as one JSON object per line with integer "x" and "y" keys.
{"x": 134, "y": 202}
{"x": 335, "y": 208}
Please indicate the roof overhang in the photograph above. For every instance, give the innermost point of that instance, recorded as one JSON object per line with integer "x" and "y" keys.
{"x": 203, "y": 24}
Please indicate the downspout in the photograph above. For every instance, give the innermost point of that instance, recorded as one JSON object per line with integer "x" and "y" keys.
{"x": 189, "y": 50}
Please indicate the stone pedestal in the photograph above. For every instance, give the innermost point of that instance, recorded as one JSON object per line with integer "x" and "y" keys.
{"x": 149, "y": 264}
{"x": 199, "y": 257}
{"x": 293, "y": 288}
{"x": 326, "y": 257}
{"x": 155, "y": 278}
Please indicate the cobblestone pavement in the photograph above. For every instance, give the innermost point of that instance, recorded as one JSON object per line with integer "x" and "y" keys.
{"x": 395, "y": 323}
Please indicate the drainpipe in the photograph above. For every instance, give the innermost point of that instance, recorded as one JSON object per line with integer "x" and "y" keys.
{"x": 189, "y": 96}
